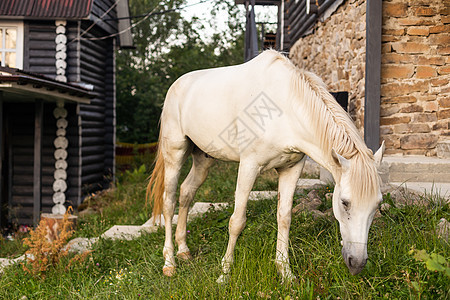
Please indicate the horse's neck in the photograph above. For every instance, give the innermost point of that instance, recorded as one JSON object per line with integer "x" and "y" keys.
{"x": 325, "y": 159}
{"x": 311, "y": 146}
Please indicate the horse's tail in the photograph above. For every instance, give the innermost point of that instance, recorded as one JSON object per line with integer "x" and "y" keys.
{"x": 155, "y": 187}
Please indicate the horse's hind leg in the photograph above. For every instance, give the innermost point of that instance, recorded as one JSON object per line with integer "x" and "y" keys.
{"x": 197, "y": 175}
{"x": 175, "y": 154}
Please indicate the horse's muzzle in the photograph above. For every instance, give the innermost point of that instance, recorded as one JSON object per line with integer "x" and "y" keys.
{"x": 355, "y": 264}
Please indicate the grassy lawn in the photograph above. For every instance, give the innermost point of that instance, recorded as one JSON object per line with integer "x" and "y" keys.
{"x": 133, "y": 269}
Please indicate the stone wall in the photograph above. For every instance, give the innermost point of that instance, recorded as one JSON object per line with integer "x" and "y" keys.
{"x": 336, "y": 52}
{"x": 415, "y": 90}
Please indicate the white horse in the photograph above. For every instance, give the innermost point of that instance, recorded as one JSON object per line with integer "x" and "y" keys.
{"x": 264, "y": 114}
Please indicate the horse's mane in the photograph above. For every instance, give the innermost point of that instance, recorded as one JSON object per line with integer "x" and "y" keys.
{"x": 333, "y": 127}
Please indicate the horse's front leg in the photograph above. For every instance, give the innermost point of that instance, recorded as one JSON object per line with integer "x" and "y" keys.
{"x": 286, "y": 188}
{"x": 246, "y": 178}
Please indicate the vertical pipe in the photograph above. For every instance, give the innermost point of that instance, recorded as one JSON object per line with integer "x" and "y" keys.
{"x": 373, "y": 74}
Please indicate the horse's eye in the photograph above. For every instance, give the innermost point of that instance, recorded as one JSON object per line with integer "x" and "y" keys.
{"x": 346, "y": 204}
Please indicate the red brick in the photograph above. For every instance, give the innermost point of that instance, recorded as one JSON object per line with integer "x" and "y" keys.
{"x": 397, "y": 71}
{"x": 425, "y": 11}
{"x": 425, "y": 72}
{"x": 410, "y": 47}
{"x": 444, "y": 70}
{"x": 419, "y": 141}
{"x": 432, "y": 60}
{"x": 395, "y": 9}
{"x": 422, "y": 30}
{"x": 394, "y": 120}
{"x": 440, "y": 29}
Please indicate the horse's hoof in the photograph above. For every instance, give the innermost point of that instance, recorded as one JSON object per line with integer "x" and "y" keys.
{"x": 169, "y": 271}
{"x": 184, "y": 255}
{"x": 288, "y": 280}
{"x": 224, "y": 278}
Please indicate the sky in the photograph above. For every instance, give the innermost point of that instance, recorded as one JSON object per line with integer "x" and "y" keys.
{"x": 202, "y": 11}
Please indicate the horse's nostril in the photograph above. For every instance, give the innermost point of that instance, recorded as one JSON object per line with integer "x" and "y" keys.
{"x": 350, "y": 258}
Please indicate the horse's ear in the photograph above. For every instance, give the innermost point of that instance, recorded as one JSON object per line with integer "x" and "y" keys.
{"x": 340, "y": 160}
{"x": 378, "y": 156}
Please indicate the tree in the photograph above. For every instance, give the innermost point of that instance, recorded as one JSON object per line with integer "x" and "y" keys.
{"x": 167, "y": 46}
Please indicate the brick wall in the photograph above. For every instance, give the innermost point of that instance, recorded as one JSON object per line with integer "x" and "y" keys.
{"x": 415, "y": 102}
{"x": 336, "y": 52}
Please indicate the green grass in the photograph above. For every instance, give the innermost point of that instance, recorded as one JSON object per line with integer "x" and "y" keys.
{"x": 133, "y": 269}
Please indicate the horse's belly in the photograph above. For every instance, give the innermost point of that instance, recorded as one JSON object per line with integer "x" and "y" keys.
{"x": 283, "y": 161}
{"x": 213, "y": 131}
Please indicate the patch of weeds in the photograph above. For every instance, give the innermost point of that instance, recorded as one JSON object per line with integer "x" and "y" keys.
{"x": 13, "y": 247}
{"x": 46, "y": 248}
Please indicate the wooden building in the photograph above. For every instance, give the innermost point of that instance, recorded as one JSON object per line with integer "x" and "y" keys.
{"x": 57, "y": 101}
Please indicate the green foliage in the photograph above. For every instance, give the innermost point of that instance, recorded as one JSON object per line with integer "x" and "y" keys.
{"x": 133, "y": 269}
{"x": 433, "y": 262}
{"x": 167, "y": 46}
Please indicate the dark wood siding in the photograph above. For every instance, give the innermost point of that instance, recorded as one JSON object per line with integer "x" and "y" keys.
{"x": 41, "y": 48}
{"x": 110, "y": 106}
{"x": 73, "y": 55}
{"x": 73, "y": 193}
{"x": 297, "y": 22}
{"x": 104, "y": 16}
{"x": 97, "y": 118}
{"x": 20, "y": 132}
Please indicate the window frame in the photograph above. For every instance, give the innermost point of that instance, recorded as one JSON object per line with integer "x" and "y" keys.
{"x": 18, "y": 25}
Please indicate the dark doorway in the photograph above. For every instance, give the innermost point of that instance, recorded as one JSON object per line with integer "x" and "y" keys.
{"x": 342, "y": 99}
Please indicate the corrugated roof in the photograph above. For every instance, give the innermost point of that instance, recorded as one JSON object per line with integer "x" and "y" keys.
{"x": 43, "y": 9}
{"x": 25, "y": 82}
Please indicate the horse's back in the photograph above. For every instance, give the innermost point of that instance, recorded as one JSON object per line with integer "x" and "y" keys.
{"x": 208, "y": 103}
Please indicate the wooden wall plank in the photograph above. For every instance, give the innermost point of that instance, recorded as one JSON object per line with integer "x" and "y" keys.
{"x": 37, "y": 167}
{"x": 2, "y": 200}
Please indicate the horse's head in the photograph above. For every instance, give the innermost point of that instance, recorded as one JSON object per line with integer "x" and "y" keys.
{"x": 356, "y": 198}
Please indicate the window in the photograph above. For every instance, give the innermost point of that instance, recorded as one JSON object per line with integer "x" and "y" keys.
{"x": 11, "y": 45}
